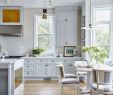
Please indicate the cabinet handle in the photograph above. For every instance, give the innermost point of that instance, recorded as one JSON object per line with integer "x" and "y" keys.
{"x": 27, "y": 73}
{"x": 66, "y": 43}
{"x": 52, "y": 61}
{"x": 46, "y": 64}
{"x": 66, "y": 19}
{"x": 70, "y": 65}
{"x": 28, "y": 61}
{"x": 27, "y": 66}
{"x": 41, "y": 61}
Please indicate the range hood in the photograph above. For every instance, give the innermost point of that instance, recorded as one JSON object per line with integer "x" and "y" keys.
{"x": 11, "y": 30}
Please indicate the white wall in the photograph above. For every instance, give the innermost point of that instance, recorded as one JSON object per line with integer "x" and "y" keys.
{"x": 22, "y": 45}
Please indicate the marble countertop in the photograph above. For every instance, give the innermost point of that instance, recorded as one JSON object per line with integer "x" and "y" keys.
{"x": 8, "y": 61}
{"x": 51, "y": 57}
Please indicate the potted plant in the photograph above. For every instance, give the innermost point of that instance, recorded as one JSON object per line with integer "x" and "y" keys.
{"x": 95, "y": 53}
{"x": 37, "y": 51}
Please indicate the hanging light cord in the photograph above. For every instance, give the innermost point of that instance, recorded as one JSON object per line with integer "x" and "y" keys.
{"x": 90, "y": 15}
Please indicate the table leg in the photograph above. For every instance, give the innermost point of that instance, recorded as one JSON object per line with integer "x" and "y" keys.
{"x": 87, "y": 88}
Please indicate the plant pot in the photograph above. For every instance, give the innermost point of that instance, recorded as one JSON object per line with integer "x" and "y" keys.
{"x": 36, "y": 55}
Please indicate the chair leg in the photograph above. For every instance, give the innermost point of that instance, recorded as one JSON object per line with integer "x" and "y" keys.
{"x": 78, "y": 89}
{"x": 62, "y": 89}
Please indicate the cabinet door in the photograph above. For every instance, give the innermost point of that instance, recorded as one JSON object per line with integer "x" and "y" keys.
{"x": 66, "y": 33}
{"x": 61, "y": 33}
{"x": 51, "y": 70}
{"x": 71, "y": 33}
{"x": 41, "y": 70}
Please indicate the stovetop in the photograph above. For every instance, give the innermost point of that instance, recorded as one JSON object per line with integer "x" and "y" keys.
{"x": 13, "y": 57}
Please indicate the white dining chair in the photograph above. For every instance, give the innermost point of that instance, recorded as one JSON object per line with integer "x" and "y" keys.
{"x": 66, "y": 81}
{"x": 67, "y": 75}
{"x": 80, "y": 64}
{"x": 102, "y": 82}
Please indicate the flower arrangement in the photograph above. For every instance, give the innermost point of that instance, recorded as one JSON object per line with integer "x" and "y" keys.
{"x": 95, "y": 53}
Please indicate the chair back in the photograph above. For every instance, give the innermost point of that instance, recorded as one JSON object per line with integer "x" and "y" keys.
{"x": 81, "y": 63}
{"x": 60, "y": 71}
{"x": 100, "y": 76}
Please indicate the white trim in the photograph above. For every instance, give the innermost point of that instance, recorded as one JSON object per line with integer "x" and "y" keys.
{"x": 53, "y": 26}
{"x": 101, "y": 6}
{"x": 98, "y": 7}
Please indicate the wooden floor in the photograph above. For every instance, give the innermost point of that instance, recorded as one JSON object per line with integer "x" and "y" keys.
{"x": 46, "y": 88}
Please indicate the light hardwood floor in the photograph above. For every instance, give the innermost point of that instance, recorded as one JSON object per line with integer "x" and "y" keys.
{"x": 46, "y": 88}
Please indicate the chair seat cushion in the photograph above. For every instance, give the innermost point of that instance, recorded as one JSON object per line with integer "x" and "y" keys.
{"x": 102, "y": 88}
{"x": 70, "y": 76}
{"x": 70, "y": 81}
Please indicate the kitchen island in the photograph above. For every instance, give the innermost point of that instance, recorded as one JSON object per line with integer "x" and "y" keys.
{"x": 11, "y": 77}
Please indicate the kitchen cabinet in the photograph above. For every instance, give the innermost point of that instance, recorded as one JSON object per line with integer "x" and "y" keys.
{"x": 10, "y": 15}
{"x": 66, "y": 26}
{"x": 44, "y": 68}
{"x": 29, "y": 68}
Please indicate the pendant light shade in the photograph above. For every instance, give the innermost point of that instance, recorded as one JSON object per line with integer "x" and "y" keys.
{"x": 44, "y": 16}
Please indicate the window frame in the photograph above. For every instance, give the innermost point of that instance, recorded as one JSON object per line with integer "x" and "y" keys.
{"x": 35, "y": 33}
{"x": 94, "y": 8}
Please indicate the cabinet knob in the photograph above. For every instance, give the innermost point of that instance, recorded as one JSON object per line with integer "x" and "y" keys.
{"x": 27, "y": 60}
{"x": 70, "y": 64}
{"x": 27, "y": 73}
{"x": 46, "y": 64}
{"x": 27, "y": 66}
{"x": 66, "y": 19}
{"x": 66, "y": 42}
{"x": 41, "y": 61}
{"x": 52, "y": 61}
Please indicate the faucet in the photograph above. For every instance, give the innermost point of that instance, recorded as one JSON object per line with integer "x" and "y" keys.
{"x": 3, "y": 54}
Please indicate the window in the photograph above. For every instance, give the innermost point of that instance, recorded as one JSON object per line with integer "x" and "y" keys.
{"x": 44, "y": 34}
{"x": 102, "y": 24}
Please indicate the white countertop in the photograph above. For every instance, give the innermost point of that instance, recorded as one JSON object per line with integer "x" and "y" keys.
{"x": 8, "y": 61}
{"x": 52, "y": 57}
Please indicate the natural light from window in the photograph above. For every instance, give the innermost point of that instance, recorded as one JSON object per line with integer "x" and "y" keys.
{"x": 44, "y": 37}
{"x": 102, "y": 24}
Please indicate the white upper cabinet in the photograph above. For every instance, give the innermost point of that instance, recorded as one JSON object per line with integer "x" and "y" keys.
{"x": 66, "y": 26}
{"x": 11, "y": 15}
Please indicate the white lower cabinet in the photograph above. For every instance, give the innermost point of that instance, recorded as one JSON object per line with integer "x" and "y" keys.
{"x": 51, "y": 70}
{"x": 44, "y": 68}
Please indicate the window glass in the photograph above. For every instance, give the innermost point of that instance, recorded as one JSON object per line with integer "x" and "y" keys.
{"x": 102, "y": 15}
{"x": 45, "y": 34}
{"x": 102, "y": 34}
{"x": 102, "y": 23}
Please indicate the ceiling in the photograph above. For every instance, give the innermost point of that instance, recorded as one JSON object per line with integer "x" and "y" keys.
{"x": 41, "y": 3}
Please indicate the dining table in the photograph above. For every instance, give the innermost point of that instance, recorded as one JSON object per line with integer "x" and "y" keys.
{"x": 88, "y": 68}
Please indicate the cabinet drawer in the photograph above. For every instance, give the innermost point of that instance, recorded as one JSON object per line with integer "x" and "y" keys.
{"x": 40, "y": 61}
{"x": 28, "y": 73}
{"x": 28, "y": 66}
{"x": 28, "y": 61}
{"x": 51, "y": 61}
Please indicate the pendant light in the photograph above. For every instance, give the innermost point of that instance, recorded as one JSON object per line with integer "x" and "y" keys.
{"x": 44, "y": 16}
{"x": 89, "y": 27}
